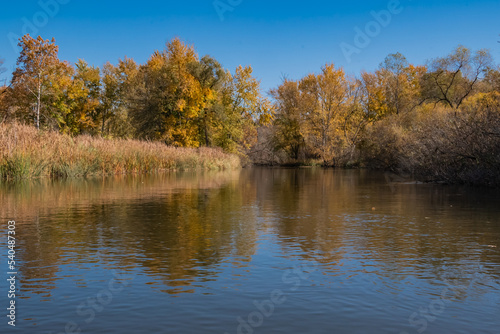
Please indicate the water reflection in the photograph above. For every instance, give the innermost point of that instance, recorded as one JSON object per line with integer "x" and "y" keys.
{"x": 232, "y": 234}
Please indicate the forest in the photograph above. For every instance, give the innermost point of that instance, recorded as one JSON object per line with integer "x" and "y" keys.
{"x": 434, "y": 122}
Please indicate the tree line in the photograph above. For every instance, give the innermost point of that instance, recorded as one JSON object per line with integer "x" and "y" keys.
{"x": 175, "y": 97}
{"x": 436, "y": 122}
{"x": 439, "y": 121}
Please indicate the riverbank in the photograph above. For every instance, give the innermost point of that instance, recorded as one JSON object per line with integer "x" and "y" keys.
{"x": 431, "y": 144}
{"x": 28, "y": 153}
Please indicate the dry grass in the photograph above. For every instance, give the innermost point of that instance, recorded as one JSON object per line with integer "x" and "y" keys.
{"x": 28, "y": 153}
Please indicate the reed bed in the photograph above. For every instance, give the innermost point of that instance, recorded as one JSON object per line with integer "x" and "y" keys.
{"x": 28, "y": 153}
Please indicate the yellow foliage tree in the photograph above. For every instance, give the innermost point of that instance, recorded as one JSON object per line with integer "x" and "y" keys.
{"x": 77, "y": 107}
{"x": 39, "y": 79}
{"x": 288, "y": 125}
{"x": 394, "y": 88}
{"x": 326, "y": 99}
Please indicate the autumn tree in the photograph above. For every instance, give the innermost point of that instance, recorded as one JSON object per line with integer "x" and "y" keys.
{"x": 148, "y": 98}
{"x": 187, "y": 93}
{"x": 88, "y": 79}
{"x": 3, "y": 95}
{"x": 39, "y": 77}
{"x": 393, "y": 68}
{"x": 326, "y": 98}
{"x": 288, "y": 124}
{"x": 402, "y": 83}
{"x": 321, "y": 115}
{"x": 492, "y": 79}
{"x": 167, "y": 98}
{"x": 245, "y": 108}
{"x": 354, "y": 120}
{"x": 186, "y": 101}
{"x": 453, "y": 78}
{"x": 393, "y": 88}
{"x": 116, "y": 87}
{"x": 211, "y": 77}
{"x": 375, "y": 100}
{"x": 78, "y": 105}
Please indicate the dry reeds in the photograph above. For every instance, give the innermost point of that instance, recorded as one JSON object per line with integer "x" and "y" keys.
{"x": 28, "y": 153}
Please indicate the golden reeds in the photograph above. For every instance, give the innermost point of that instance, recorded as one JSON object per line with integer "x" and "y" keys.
{"x": 27, "y": 153}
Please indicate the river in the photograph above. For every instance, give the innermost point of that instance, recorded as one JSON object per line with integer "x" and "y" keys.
{"x": 259, "y": 250}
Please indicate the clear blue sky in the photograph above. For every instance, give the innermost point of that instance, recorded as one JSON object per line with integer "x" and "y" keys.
{"x": 277, "y": 38}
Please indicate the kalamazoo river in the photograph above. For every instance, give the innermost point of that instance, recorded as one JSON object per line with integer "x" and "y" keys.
{"x": 253, "y": 251}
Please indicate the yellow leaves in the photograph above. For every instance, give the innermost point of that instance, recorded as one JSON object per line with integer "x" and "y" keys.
{"x": 393, "y": 88}
{"x": 209, "y": 95}
{"x": 319, "y": 115}
{"x": 181, "y": 104}
{"x": 77, "y": 90}
{"x": 189, "y": 91}
{"x": 180, "y": 54}
{"x": 156, "y": 61}
{"x": 246, "y": 85}
{"x": 175, "y": 97}
{"x": 375, "y": 91}
{"x": 332, "y": 81}
{"x": 482, "y": 101}
{"x": 247, "y": 99}
{"x": 325, "y": 101}
{"x": 40, "y": 79}
{"x": 75, "y": 107}
{"x": 266, "y": 112}
{"x": 245, "y": 107}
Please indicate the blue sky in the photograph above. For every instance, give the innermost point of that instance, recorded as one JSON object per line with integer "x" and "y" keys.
{"x": 278, "y": 38}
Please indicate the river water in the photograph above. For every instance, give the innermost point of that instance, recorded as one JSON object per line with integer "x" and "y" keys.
{"x": 253, "y": 251}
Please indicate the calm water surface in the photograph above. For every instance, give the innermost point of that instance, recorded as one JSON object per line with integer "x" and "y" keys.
{"x": 253, "y": 251}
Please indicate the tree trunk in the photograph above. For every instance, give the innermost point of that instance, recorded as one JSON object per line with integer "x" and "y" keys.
{"x": 207, "y": 142}
{"x": 103, "y": 122}
{"x": 38, "y": 106}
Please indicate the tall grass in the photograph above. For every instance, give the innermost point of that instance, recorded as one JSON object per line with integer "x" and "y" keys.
{"x": 28, "y": 153}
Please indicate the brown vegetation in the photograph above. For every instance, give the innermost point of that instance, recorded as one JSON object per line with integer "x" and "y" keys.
{"x": 441, "y": 144}
{"x": 26, "y": 152}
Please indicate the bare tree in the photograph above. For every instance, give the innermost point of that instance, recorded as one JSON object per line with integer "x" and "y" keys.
{"x": 453, "y": 78}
